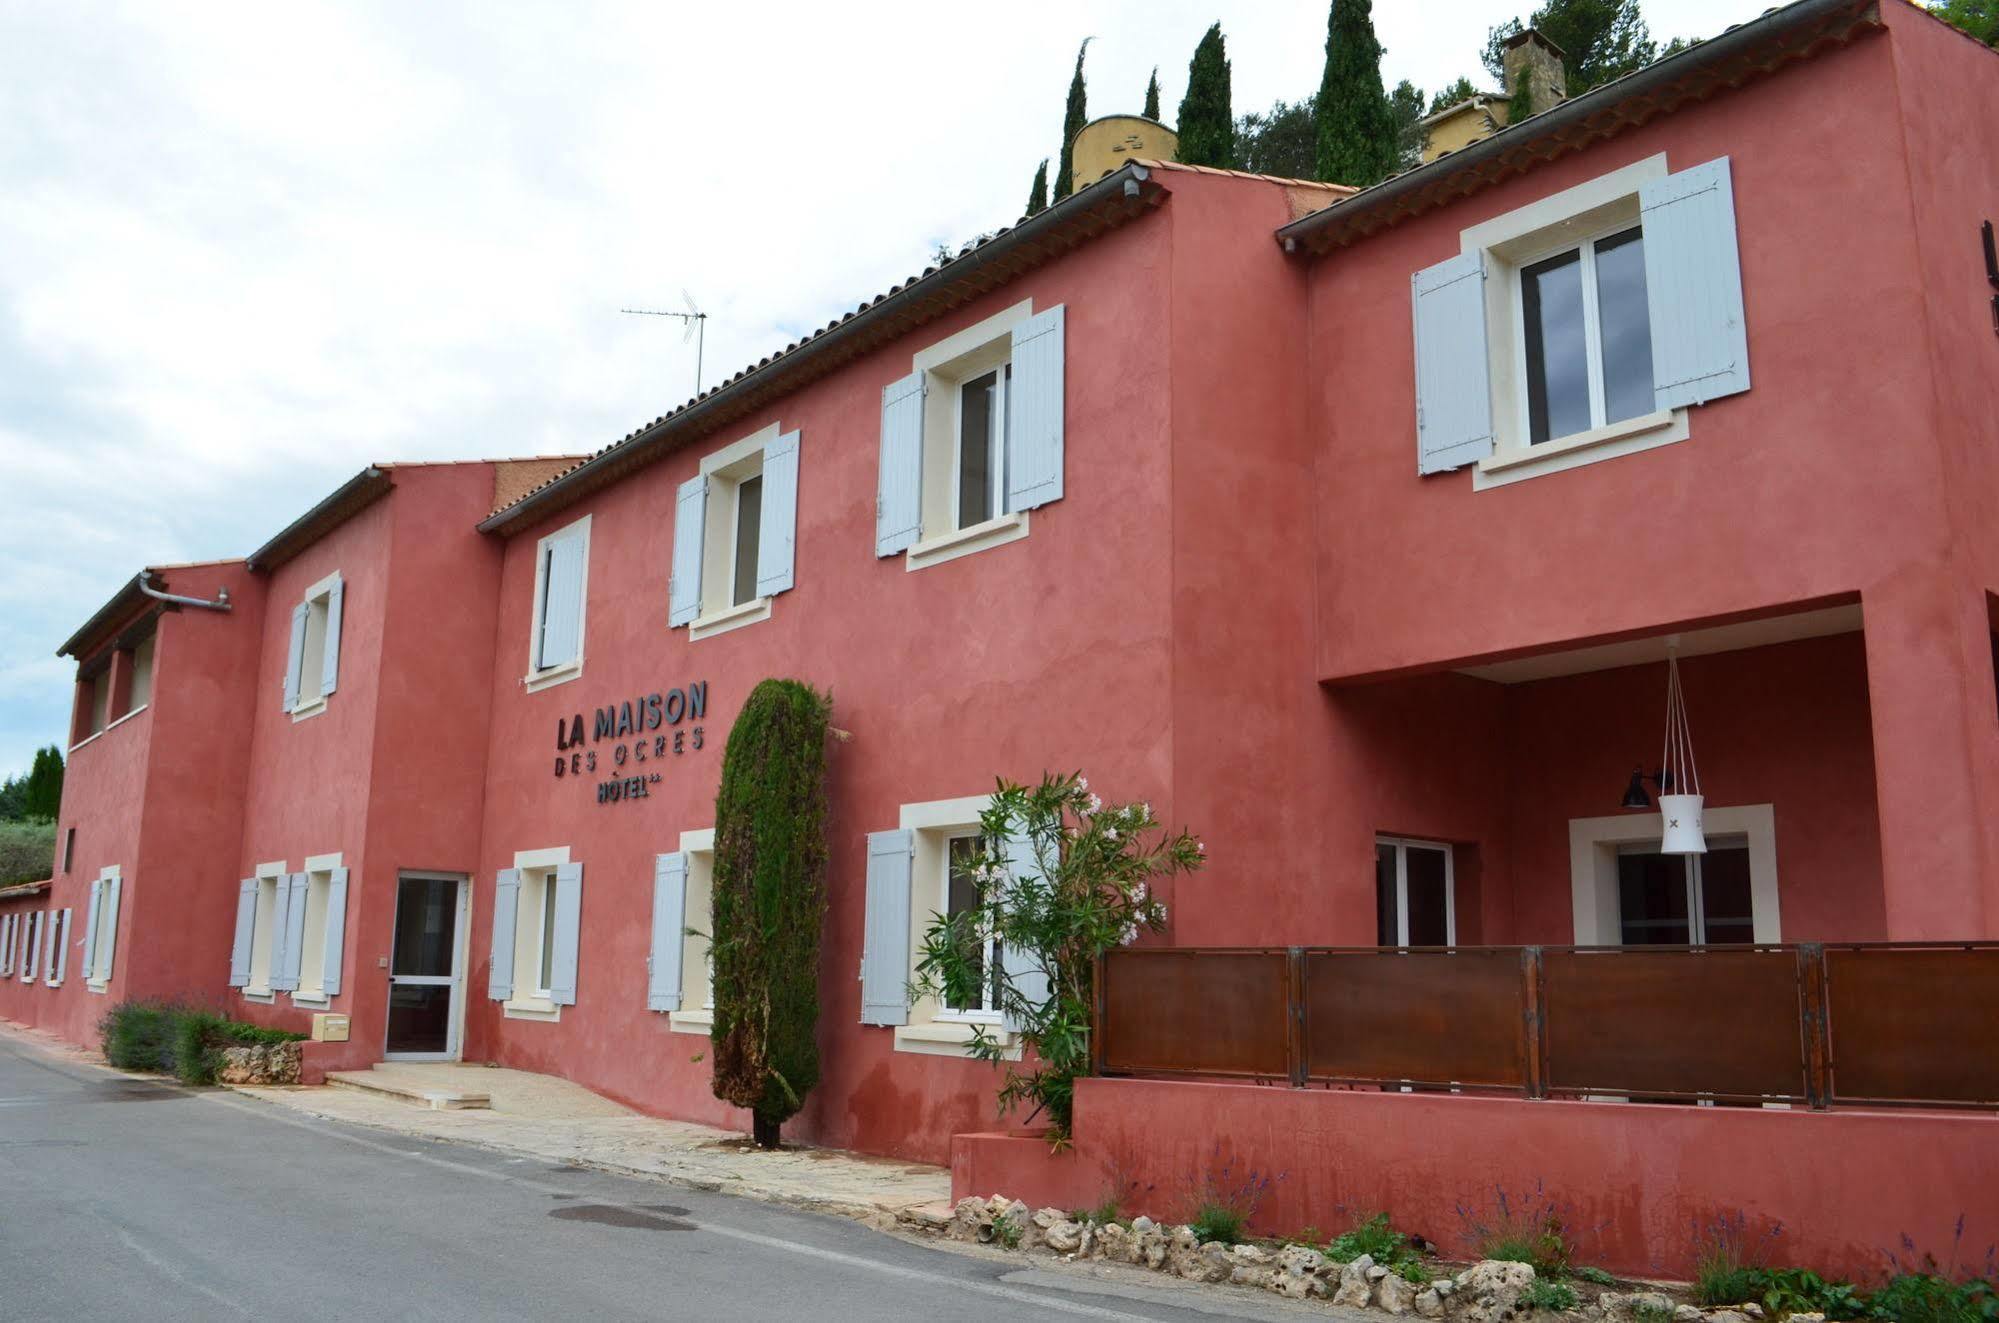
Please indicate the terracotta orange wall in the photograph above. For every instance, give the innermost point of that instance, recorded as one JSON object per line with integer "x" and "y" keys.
{"x": 1048, "y": 653}
{"x": 1630, "y": 1182}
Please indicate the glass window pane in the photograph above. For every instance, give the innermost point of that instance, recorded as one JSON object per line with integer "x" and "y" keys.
{"x": 962, "y": 897}
{"x": 1626, "y": 324}
{"x": 749, "y": 523}
{"x": 1652, "y": 899}
{"x": 1551, "y": 295}
{"x": 1725, "y": 905}
{"x": 426, "y": 917}
{"x": 547, "y": 933}
{"x": 975, "y": 469}
{"x": 1429, "y": 912}
{"x": 1387, "y": 922}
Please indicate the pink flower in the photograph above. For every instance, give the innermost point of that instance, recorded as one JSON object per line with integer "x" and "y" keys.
{"x": 1200, "y": 847}
{"x": 1096, "y": 804}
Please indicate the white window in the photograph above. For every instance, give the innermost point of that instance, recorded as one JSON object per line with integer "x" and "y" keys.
{"x": 537, "y": 917}
{"x": 312, "y": 663}
{"x": 1415, "y": 893}
{"x": 313, "y": 972}
{"x": 735, "y": 534}
{"x": 56, "y": 963}
{"x": 141, "y": 692}
{"x": 972, "y": 440}
{"x": 100, "y": 929}
{"x": 561, "y": 589}
{"x": 958, "y": 896}
{"x": 1581, "y": 327}
{"x": 1628, "y": 894}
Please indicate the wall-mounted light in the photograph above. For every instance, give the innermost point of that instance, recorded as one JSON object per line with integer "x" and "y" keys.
{"x": 1635, "y": 794}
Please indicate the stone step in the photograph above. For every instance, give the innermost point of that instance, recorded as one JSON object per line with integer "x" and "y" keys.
{"x": 437, "y": 1100}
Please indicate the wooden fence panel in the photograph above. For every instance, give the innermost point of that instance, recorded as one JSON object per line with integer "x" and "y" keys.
{"x": 1419, "y": 1017}
{"x": 1187, "y": 1011}
{"x": 1914, "y": 1025}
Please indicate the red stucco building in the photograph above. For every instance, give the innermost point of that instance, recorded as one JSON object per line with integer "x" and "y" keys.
{"x": 1350, "y": 529}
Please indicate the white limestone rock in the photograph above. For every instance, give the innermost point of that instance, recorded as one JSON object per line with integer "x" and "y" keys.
{"x": 1492, "y": 1290}
{"x": 1395, "y": 1294}
{"x": 1430, "y": 1303}
{"x": 1064, "y": 1237}
{"x": 1356, "y": 1288}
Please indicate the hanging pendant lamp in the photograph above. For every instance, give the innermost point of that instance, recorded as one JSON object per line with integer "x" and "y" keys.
{"x": 1680, "y": 810}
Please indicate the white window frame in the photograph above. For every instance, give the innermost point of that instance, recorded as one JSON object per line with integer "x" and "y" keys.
{"x": 312, "y": 665}
{"x": 935, "y": 1029}
{"x": 1592, "y": 210}
{"x": 997, "y": 440}
{"x": 946, "y": 366}
{"x": 263, "y": 930}
{"x": 537, "y": 870}
{"x": 311, "y": 990}
{"x": 1402, "y": 846}
{"x": 1585, "y": 248}
{"x": 697, "y": 974}
{"x": 1593, "y": 847}
{"x": 985, "y": 1012}
{"x": 540, "y": 677}
{"x": 726, "y": 470}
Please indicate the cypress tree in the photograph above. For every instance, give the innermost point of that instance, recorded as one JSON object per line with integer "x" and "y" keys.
{"x": 1152, "y": 96}
{"x": 769, "y": 898}
{"x": 1207, "y": 123}
{"x": 42, "y": 797}
{"x": 1037, "y": 197}
{"x": 1357, "y": 131}
{"x": 1073, "y": 120}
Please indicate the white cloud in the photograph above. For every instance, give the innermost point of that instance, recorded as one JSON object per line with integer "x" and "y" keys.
{"x": 250, "y": 248}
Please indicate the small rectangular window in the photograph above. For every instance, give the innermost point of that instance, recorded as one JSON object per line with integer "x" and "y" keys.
{"x": 141, "y": 692}
{"x": 1587, "y": 332}
{"x": 749, "y": 524}
{"x": 1415, "y": 900}
{"x": 68, "y": 849}
{"x": 980, "y": 471}
{"x": 100, "y": 701}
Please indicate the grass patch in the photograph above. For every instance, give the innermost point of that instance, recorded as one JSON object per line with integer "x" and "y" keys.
{"x": 1219, "y": 1221}
{"x": 1546, "y": 1293}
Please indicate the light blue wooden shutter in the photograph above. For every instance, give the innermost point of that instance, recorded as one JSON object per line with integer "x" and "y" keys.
{"x": 568, "y": 929}
{"x": 7, "y": 942}
{"x": 62, "y": 948}
{"x": 899, "y": 496}
{"x": 89, "y": 931}
{"x": 506, "y": 904}
{"x": 1022, "y": 968}
{"x": 336, "y": 932}
{"x": 1693, "y": 286}
{"x": 31, "y": 949}
{"x": 51, "y": 947}
{"x": 669, "y": 931}
{"x": 296, "y": 660}
{"x": 329, "y": 669}
{"x": 246, "y": 933}
{"x": 1034, "y": 413}
{"x": 1453, "y": 377}
{"x": 777, "y": 534}
{"x": 108, "y": 939}
{"x": 289, "y": 922}
{"x": 562, "y": 602}
{"x": 885, "y": 944}
{"x": 690, "y": 530}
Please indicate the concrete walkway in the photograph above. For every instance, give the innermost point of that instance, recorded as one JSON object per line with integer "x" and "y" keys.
{"x": 541, "y": 1116}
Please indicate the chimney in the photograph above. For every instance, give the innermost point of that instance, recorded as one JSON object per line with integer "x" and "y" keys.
{"x": 1541, "y": 59}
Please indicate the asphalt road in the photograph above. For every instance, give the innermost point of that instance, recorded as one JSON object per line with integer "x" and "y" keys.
{"x": 130, "y": 1199}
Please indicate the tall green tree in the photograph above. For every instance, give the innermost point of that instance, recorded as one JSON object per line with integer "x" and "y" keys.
{"x": 1461, "y": 90}
{"x": 1405, "y": 108}
{"x": 42, "y": 797}
{"x": 1980, "y": 18}
{"x": 770, "y": 898}
{"x": 1073, "y": 119}
{"x": 1357, "y": 132}
{"x": 1601, "y": 40}
{"x": 1037, "y": 196}
{"x": 1283, "y": 140}
{"x": 1152, "y": 96}
{"x": 1207, "y": 124}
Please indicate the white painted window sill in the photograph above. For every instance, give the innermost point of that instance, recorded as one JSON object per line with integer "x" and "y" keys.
{"x": 1512, "y": 463}
{"x": 691, "y": 1022}
{"x": 316, "y": 1000}
{"x": 97, "y": 985}
{"x": 264, "y": 995}
{"x": 951, "y": 1038}
{"x": 97, "y": 735}
{"x": 553, "y": 675}
{"x": 53, "y": 982}
{"x": 311, "y": 707}
{"x": 964, "y": 541}
{"x": 734, "y": 617}
{"x": 531, "y": 1008}
{"x": 128, "y": 716}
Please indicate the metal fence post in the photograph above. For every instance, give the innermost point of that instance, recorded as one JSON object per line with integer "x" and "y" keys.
{"x": 1534, "y": 1026}
{"x": 1814, "y": 1025}
{"x": 1097, "y": 1013}
{"x": 1294, "y": 1000}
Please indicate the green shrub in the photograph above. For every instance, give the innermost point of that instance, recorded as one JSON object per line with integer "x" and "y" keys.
{"x": 1549, "y": 1294}
{"x": 1218, "y": 1221}
{"x": 1520, "y": 1229}
{"x": 183, "y": 1041}
{"x": 1595, "y": 1276}
{"x": 1927, "y": 1297}
{"x": 1373, "y": 1236}
{"x": 1411, "y": 1270}
{"x": 196, "y": 1039}
{"x": 27, "y": 851}
{"x": 1728, "y": 1265}
{"x": 1798, "y": 1291}
{"x": 1651, "y": 1313}
{"x": 136, "y": 1035}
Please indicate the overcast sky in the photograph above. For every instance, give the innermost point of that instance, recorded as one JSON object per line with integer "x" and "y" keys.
{"x": 246, "y": 249}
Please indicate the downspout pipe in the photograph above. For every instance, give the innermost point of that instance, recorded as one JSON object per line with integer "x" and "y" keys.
{"x": 221, "y": 602}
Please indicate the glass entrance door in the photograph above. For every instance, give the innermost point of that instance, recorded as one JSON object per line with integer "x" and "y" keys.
{"x": 426, "y": 966}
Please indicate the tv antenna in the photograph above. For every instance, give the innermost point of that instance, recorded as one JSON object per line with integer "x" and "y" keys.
{"x": 694, "y": 320}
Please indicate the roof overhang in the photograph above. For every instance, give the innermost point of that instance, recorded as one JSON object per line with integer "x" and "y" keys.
{"x": 1112, "y": 201}
{"x": 123, "y": 604}
{"x": 1780, "y": 37}
{"x": 24, "y": 890}
{"x": 347, "y": 500}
